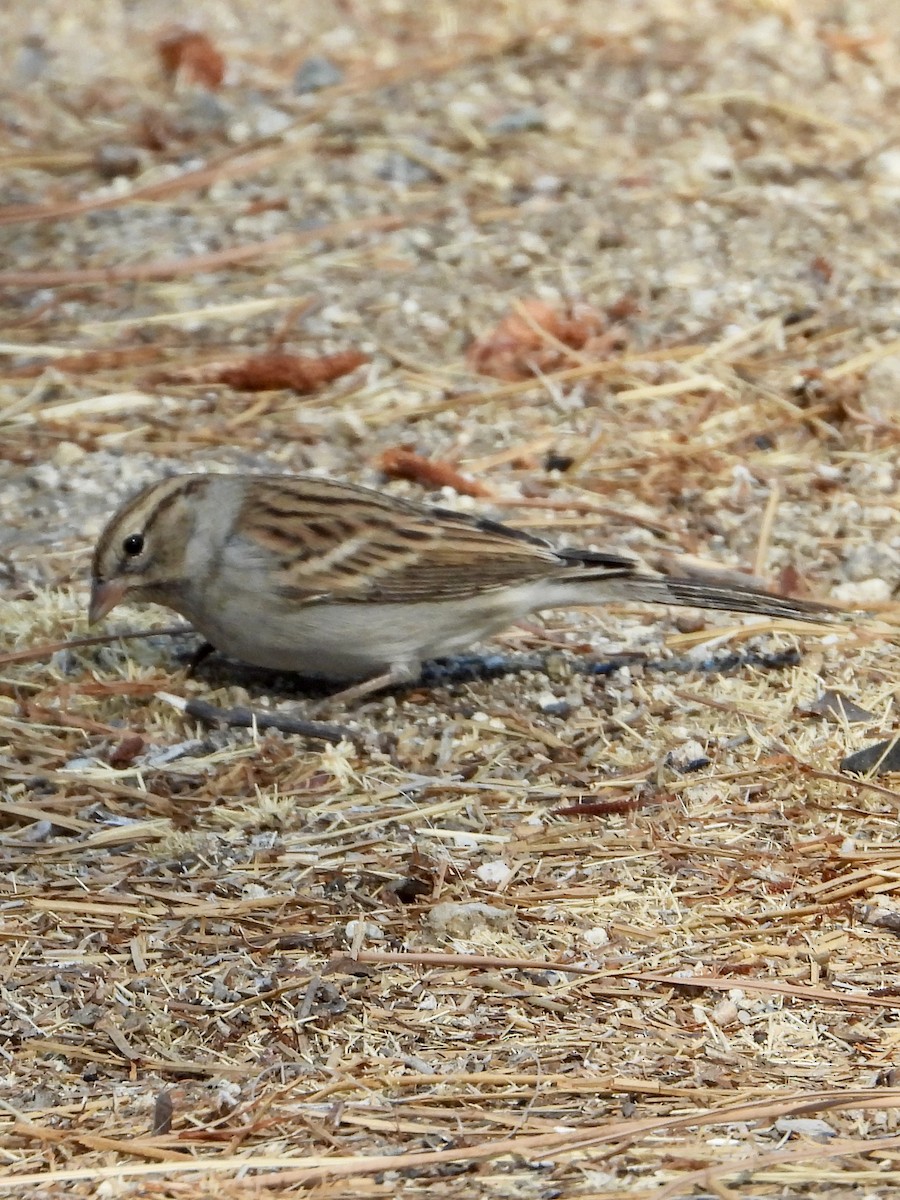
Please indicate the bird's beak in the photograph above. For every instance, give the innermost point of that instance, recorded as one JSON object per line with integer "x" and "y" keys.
{"x": 105, "y": 597}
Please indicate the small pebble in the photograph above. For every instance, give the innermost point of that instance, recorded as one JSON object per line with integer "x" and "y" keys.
{"x": 202, "y": 113}
{"x": 32, "y": 60}
{"x": 690, "y": 756}
{"x": 554, "y": 461}
{"x": 863, "y": 591}
{"x": 497, "y": 872}
{"x": 81, "y": 764}
{"x": 67, "y": 453}
{"x": 595, "y": 937}
{"x": 871, "y": 560}
{"x": 725, "y": 1013}
{"x": 369, "y": 930}
{"x": 111, "y": 161}
{"x": 316, "y": 73}
{"x": 461, "y": 920}
{"x": 521, "y": 120}
{"x": 159, "y": 758}
{"x": 65, "y": 662}
{"x": 87, "y": 1016}
{"x": 38, "y": 831}
{"x": 397, "y": 168}
{"x": 809, "y": 1127}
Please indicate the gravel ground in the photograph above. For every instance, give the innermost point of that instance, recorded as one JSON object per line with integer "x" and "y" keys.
{"x": 710, "y": 188}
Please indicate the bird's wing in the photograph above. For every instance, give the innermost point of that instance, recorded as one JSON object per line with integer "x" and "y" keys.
{"x": 332, "y": 540}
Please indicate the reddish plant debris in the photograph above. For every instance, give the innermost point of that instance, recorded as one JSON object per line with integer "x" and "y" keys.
{"x": 264, "y": 204}
{"x": 87, "y": 363}
{"x": 269, "y": 372}
{"x": 65, "y": 720}
{"x": 624, "y": 307}
{"x": 842, "y": 41}
{"x": 822, "y": 268}
{"x": 192, "y": 56}
{"x": 832, "y": 399}
{"x": 536, "y": 338}
{"x": 791, "y": 582}
{"x": 126, "y": 751}
{"x": 399, "y": 463}
{"x": 612, "y": 805}
{"x": 154, "y": 131}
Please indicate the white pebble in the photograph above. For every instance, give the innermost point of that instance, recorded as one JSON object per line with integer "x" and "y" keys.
{"x": 367, "y": 929}
{"x": 725, "y": 1013}
{"x": 595, "y": 937}
{"x": 497, "y": 872}
{"x": 461, "y": 920}
{"x": 863, "y": 591}
{"x": 67, "y": 453}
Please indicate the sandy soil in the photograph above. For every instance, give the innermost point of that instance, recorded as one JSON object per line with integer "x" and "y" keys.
{"x": 234, "y": 955}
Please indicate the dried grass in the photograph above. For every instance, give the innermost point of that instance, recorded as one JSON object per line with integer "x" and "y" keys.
{"x": 536, "y": 935}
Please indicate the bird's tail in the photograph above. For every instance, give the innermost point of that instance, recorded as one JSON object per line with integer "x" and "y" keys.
{"x": 692, "y": 593}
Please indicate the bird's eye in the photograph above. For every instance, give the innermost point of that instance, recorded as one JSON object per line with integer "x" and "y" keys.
{"x": 133, "y": 545}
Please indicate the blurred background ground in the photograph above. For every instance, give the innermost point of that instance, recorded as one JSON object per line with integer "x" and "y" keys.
{"x": 627, "y": 272}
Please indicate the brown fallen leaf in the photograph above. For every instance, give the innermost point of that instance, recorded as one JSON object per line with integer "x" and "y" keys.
{"x": 536, "y": 337}
{"x": 270, "y": 372}
{"x": 398, "y": 463}
{"x": 191, "y": 55}
{"x": 126, "y": 751}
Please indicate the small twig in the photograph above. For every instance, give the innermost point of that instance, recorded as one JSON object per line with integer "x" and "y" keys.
{"x": 247, "y": 718}
{"x": 213, "y": 260}
{"x": 262, "y": 155}
{"x": 719, "y": 983}
{"x": 765, "y": 530}
{"x": 48, "y": 649}
{"x": 603, "y": 808}
{"x": 238, "y": 167}
{"x": 277, "y": 1172}
{"x": 302, "y": 309}
{"x": 581, "y": 504}
{"x": 433, "y": 958}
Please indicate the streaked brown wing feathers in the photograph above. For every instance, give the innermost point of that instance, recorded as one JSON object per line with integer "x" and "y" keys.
{"x": 350, "y": 544}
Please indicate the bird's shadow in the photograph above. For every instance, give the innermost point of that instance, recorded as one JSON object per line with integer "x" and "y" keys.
{"x": 207, "y": 664}
{"x": 216, "y": 669}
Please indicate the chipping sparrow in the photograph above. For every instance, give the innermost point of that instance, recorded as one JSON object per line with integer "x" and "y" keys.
{"x": 345, "y": 583}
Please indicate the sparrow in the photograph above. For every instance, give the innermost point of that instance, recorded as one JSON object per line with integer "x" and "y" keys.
{"x": 352, "y": 585}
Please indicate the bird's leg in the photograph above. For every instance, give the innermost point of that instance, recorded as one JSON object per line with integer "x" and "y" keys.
{"x": 200, "y": 655}
{"x": 399, "y": 673}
